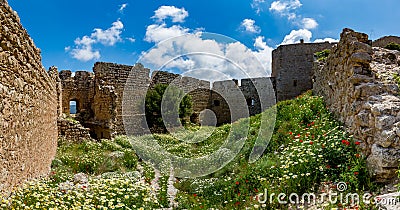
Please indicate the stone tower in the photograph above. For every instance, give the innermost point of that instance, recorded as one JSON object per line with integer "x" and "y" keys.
{"x": 292, "y": 68}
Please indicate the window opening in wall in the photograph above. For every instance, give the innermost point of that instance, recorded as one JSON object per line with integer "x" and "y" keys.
{"x": 216, "y": 103}
{"x": 73, "y": 107}
{"x": 250, "y": 102}
{"x": 294, "y": 83}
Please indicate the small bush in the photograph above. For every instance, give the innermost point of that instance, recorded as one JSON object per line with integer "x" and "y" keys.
{"x": 169, "y": 97}
{"x": 322, "y": 55}
{"x": 393, "y": 46}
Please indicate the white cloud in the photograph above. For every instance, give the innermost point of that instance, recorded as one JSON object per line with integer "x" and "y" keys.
{"x": 258, "y": 5}
{"x": 122, "y": 7}
{"x": 177, "y": 14}
{"x": 131, "y": 39}
{"x": 296, "y": 35}
{"x": 326, "y": 40}
{"x": 83, "y": 49}
{"x": 285, "y": 8}
{"x": 285, "y": 5}
{"x": 192, "y": 52}
{"x": 309, "y": 23}
{"x": 109, "y": 36}
{"x": 249, "y": 26}
{"x": 263, "y": 53}
{"x": 157, "y": 33}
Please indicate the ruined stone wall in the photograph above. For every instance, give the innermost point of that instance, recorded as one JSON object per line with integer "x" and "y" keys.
{"x": 54, "y": 74}
{"x": 228, "y": 101}
{"x": 292, "y": 68}
{"x": 28, "y": 108}
{"x": 103, "y": 93}
{"x": 357, "y": 84}
{"x": 199, "y": 90}
{"x": 257, "y": 90}
{"x": 79, "y": 88}
{"x": 110, "y": 80}
{"x": 383, "y": 41}
{"x": 72, "y": 131}
{"x": 231, "y": 101}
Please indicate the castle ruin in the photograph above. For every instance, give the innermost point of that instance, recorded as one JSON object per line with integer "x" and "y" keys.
{"x": 99, "y": 95}
{"x": 356, "y": 82}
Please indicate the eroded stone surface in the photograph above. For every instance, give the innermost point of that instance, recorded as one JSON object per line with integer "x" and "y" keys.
{"x": 364, "y": 95}
{"x": 28, "y": 110}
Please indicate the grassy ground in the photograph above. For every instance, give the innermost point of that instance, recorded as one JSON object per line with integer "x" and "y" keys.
{"x": 308, "y": 150}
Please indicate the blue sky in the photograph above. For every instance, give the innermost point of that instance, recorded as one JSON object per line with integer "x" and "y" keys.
{"x": 75, "y": 34}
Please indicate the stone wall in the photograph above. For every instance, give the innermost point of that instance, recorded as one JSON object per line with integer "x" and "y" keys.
{"x": 383, "y": 41}
{"x": 72, "y": 131}
{"x": 28, "y": 108}
{"x": 199, "y": 90}
{"x": 292, "y": 68}
{"x": 357, "y": 84}
{"x": 100, "y": 97}
{"x": 231, "y": 101}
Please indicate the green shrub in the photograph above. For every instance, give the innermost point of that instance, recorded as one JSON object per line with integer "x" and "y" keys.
{"x": 95, "y": 157}
{"x": 393, "y": 46}
{"x": 396, "y": 78}
{"x": 322, "y": 55}
{"x": 171, "y": 96}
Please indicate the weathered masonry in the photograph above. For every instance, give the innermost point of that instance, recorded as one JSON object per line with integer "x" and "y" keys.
{"x": 99, "y": 96}
{"x": 358, "y": 86}
{"x": 28, "y": 109}
{"x": 292, "y": 68}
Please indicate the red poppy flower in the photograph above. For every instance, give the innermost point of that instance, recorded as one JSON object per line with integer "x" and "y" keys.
{"x": 356, "y": 173}
{"x": 195, "y": 195}
{"x": 301, "y": 141}
{"x": 237, "y": 183}
{"x": 357, "y": 155}
{"x": 357, "y": 143}
{"x": 328, "y": 166}
{"x": 311, "y": 142}
{"x": 290, "y": 133}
